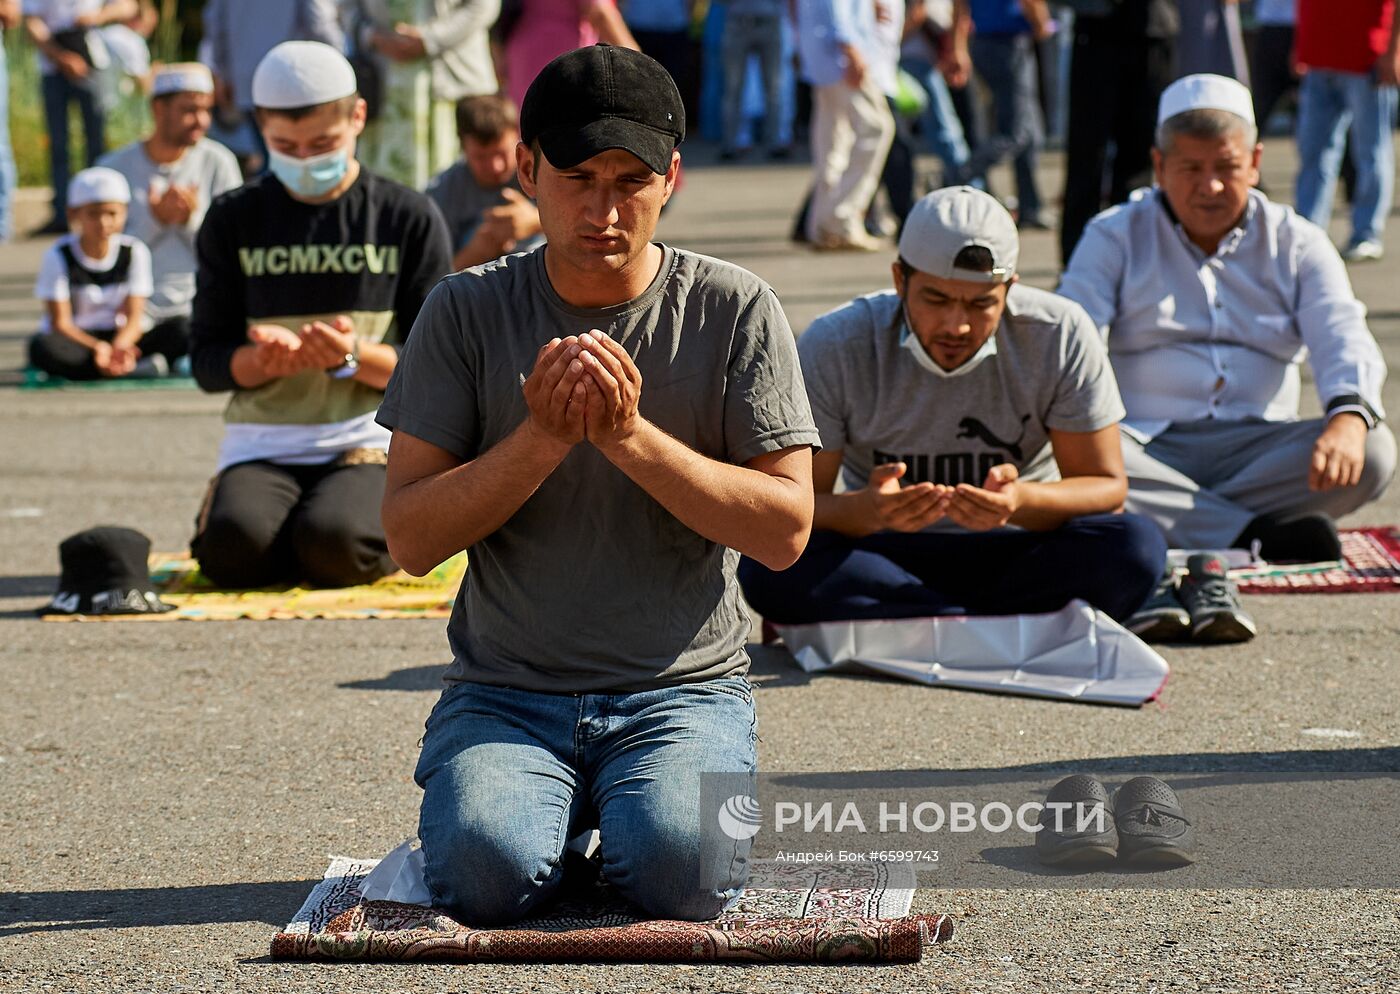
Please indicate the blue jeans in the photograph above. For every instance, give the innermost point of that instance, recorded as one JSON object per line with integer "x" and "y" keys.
{"x": 508, "y": 776}
{"x": 762, "y": 37}
{"x": 1006, "y": 64}
{"x": 58, "y": 92}
{"x": 1328, "y": 102}
{"x": 942, "y": 130}
{"x": 1110, "y": 560}
{"x": 8, "y": 179}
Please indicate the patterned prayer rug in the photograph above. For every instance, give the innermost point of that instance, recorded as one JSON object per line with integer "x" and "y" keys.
{"x": 196, "y": 599}
{"x": 788, "y": 914}
{"x": 1370, "y": 564}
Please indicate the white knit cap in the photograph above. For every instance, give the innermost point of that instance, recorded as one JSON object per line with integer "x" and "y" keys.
{"x": 98, "y": 185}
{"x": 1206, "y": 91}
{"x": 183, "y": 77}
{"x": 301, "y": 74}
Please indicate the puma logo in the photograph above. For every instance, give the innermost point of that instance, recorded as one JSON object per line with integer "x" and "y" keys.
{"x": 972, "y": 428}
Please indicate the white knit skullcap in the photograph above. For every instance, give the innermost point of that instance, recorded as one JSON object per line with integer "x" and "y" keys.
{"x": 98, "y": 185}
{"x": 1206, "y": 91}
{"x": 183, "y": 77}
{"x": 301, "y": 74}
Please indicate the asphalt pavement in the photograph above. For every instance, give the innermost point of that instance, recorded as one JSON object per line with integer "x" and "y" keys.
{"x": 169, "y": 792}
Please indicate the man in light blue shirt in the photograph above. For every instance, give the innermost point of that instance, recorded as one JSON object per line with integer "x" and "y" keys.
{"x": 842, "y": 55}
{"x": 1211, "y": 297}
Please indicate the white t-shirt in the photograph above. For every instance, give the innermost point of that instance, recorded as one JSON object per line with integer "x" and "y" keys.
{"x": 58, "y": 15}
{"x": 208, "y": 167}
{"x": 95, "y": 307}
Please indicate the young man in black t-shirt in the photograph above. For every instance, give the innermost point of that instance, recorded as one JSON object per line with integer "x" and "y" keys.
{"x": 310, "y": 278}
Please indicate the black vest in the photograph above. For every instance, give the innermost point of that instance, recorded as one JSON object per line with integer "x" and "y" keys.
{"x": 80, "y": 275}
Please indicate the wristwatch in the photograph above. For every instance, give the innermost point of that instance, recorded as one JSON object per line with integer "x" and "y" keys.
{"x": 350, "y": 366}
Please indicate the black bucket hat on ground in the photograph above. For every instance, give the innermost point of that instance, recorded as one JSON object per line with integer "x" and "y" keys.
{"x": 104, "y": 571}
{"x": 602, "y": 97}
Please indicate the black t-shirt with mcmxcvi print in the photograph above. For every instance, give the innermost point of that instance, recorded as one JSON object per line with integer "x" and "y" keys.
{"x": 373, "y": 254}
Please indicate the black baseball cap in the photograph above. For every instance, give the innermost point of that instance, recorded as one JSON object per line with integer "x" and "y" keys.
{"x": 602, "y": 97}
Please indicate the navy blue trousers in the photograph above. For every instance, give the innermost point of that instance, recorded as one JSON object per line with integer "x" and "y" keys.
{"x": 1110, "y": 560}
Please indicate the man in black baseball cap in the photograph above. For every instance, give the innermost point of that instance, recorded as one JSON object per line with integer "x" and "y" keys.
{"x": 600, "y": 98}
{"x": 598, "y": 669}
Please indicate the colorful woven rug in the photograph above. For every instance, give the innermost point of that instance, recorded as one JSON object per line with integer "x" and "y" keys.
{"x": 788, "y": 914}
{"x": 196, "y": 599}
{"x": 1370, "y": 564}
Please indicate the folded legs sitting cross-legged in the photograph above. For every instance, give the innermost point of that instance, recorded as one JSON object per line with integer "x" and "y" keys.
{"x": 974, "y": 425}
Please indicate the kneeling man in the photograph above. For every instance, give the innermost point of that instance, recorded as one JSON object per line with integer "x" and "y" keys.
{"x": 974, "y": 425}
{"x": 606, "y": 423}
{"x": 1210, "y": 297}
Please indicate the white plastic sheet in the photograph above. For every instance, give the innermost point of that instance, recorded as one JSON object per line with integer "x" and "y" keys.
{"x": 1076, "y": 653}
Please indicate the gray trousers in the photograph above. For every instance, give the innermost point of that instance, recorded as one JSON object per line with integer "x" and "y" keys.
{"x": 1202, "y": 482}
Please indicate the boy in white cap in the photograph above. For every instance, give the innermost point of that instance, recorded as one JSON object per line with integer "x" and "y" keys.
{"x": 174, "y": 175}
{"x": 974, "y": 424}
{"x": 309, "y": 279}
{"x": 94, "y": 283}
{"x": 1210, "y": 296}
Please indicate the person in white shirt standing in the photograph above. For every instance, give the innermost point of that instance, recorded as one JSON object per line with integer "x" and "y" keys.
{"x": 94, "y": 283}
{"x": 174, "y": 175}
{"x": 840, "y": 48}
{"x": 1211, "y": 296}
{"x": 64, "y": 32}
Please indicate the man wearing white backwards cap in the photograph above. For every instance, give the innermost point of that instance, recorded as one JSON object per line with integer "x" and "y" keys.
{"x": 1210, "y": 297}
{"x": 174, "y": 175}
{"x": 974, "y": 423}
{"x": 309, "y": 279}
{"x": 94, "y": 283}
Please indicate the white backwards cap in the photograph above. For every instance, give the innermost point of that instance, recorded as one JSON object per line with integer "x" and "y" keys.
{"x": 98, "y": 185}
{"x": 946, "y": 221}
{"x": 183, "y": 77}
{"x": 1206, "y": 91}
{"x": 301, "y": 74}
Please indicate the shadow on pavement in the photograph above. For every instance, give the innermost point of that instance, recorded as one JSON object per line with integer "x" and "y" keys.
{"x": 772, "y": 667}
{"x": 40, "y": 585}
{"x": 272, "y": 902}
{"x": 410, "y": 678}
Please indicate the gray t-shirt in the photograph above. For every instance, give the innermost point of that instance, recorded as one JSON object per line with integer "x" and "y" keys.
{"x": 875, "y": 403}
{"x": 592, "y": 585}
{"x": 208, "y": 167}
{"x": 462, "y": 202}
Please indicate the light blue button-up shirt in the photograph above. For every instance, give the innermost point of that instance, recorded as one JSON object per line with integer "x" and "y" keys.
{"x": 823, "y": 26}
{"x": 1194, "y": 337}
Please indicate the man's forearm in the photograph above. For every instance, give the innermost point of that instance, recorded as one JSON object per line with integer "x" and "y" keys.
{"x": 765, "y": 517}
{"x": 1048, "y": 505}
{"x": 845, "y": 513}
{"x": 117, "y": 11}
{"x": 430, "y": 520}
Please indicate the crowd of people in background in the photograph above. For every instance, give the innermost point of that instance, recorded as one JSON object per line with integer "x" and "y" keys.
{"x": 869, "y": 84}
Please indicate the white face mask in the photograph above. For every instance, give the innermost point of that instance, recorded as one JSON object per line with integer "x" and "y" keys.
{"x": 910, "y": 341}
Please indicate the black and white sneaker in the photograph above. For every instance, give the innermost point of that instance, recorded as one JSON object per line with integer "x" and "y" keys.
{"x": 1213, "y": 601}
{"x": 1161, "y": 617}
{"x": 1076, "y": 824}
{"x": 1153, "y": 830}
